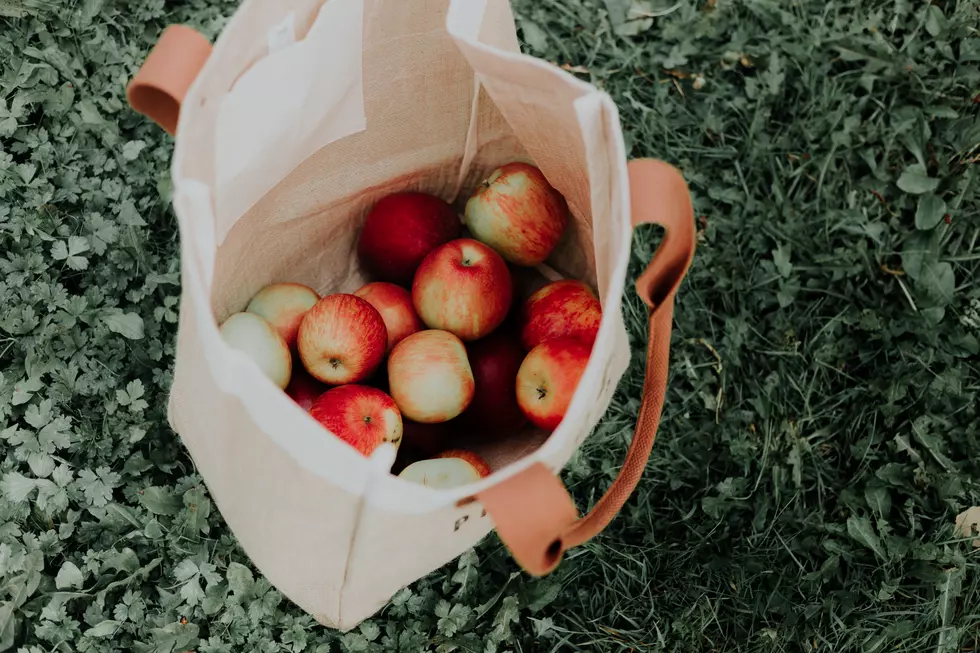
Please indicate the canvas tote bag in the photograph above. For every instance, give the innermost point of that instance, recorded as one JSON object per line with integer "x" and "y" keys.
{"x": 300, "y": 118}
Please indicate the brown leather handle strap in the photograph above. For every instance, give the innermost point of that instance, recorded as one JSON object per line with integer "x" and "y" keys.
{"x": 533, "y": 513}
{"x": 159, "y": 87}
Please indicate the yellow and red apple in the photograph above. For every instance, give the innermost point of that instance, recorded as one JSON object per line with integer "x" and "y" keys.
{"x": 479, "y": 464}
{"x": 441, "y": 473}
{"x": 518, "y": 213}
{"x": 463, "y": 287}
{"x": 430, "y": 377}
{"x": 283, "y": 305}
{"x": 258, "y": 339}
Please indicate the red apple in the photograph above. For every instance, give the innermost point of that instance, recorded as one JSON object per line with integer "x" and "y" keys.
{"x": 421, "y": 441}
{"x": 395, "y": 305}
{"x": 430, "y": 377}
{"x": 441, "y": 473}
{"x": 361, "y": 416}
{"x": 494, "y": 361}
{"x": 259, "y": 340}
{"x": 304, "y": 389}
{"x": 518, "y": 213}
{"x": 547, "y": 380}
{"x": 563, "y": 309}
{"x": 479, "y": 464}
{"x": 426, "y": 439}
{"x": 284, "y": 305}
{"x": 342, "y": 339}
{"x": 400, "y": 230}
{"x": 463, "y": 287}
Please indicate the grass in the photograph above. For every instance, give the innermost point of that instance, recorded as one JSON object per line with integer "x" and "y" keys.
{"x": 821, "y": 428}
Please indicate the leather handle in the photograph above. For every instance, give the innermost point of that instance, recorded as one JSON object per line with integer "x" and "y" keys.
{"x": 533, "y": 512}
{"x": 160, "y": 85}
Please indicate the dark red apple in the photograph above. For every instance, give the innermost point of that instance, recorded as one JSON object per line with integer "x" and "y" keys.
{"x": 401, "y": 230}
{"x": 426, "y": 439}
{"x": 495, "y": 361}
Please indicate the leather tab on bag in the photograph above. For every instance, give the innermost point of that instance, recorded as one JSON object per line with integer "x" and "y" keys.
{"x": 658, "y": 193}
{"x": 528, "y": 510}
{"x": 159, "y": 87}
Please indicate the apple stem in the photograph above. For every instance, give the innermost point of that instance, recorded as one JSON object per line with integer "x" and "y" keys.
{"x": 542, "y": 393}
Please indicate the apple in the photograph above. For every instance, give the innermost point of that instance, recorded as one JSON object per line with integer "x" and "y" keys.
{"x": 304, "y": 389}
{"x": 494, "y": 361}
{"x": 259, "y": 340}
{"x": 563, "y": 309}
{"x": 342, "y": 339}
{"x": 441, "y": 473}
{"x": 361, "y": 416}
{"x": 420, "y": 441}
{"x": 547, "y": 380}
{"x": 518, "y": 213}
{"x": 430, "y": 377}
{"x": 401, "y": 230}
{"x": 463, "y": 287}
{"x": 479, "y": 464}
{"x": 284, "y": 305}
{"x": 395, "y": 305}
{"x": 426, "y": 439}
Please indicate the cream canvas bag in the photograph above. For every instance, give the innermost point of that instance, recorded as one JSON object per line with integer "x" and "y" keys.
{"x": 300, "y": 118}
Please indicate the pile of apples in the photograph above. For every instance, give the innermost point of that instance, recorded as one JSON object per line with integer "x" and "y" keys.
{"x": 435, "y": 347}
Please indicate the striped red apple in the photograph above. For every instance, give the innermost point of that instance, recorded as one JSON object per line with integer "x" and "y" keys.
{"x": 548, "y": 378}
{"x": 563, "y": 309}
{"x": 342, "y": 339}
{"x": 361, "y": 416}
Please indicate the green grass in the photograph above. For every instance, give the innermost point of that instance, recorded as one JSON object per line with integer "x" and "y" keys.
{"x": 821, "y": 430}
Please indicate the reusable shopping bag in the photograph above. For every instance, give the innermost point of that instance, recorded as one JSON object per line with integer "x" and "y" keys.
{"x": 288, "y": 130}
